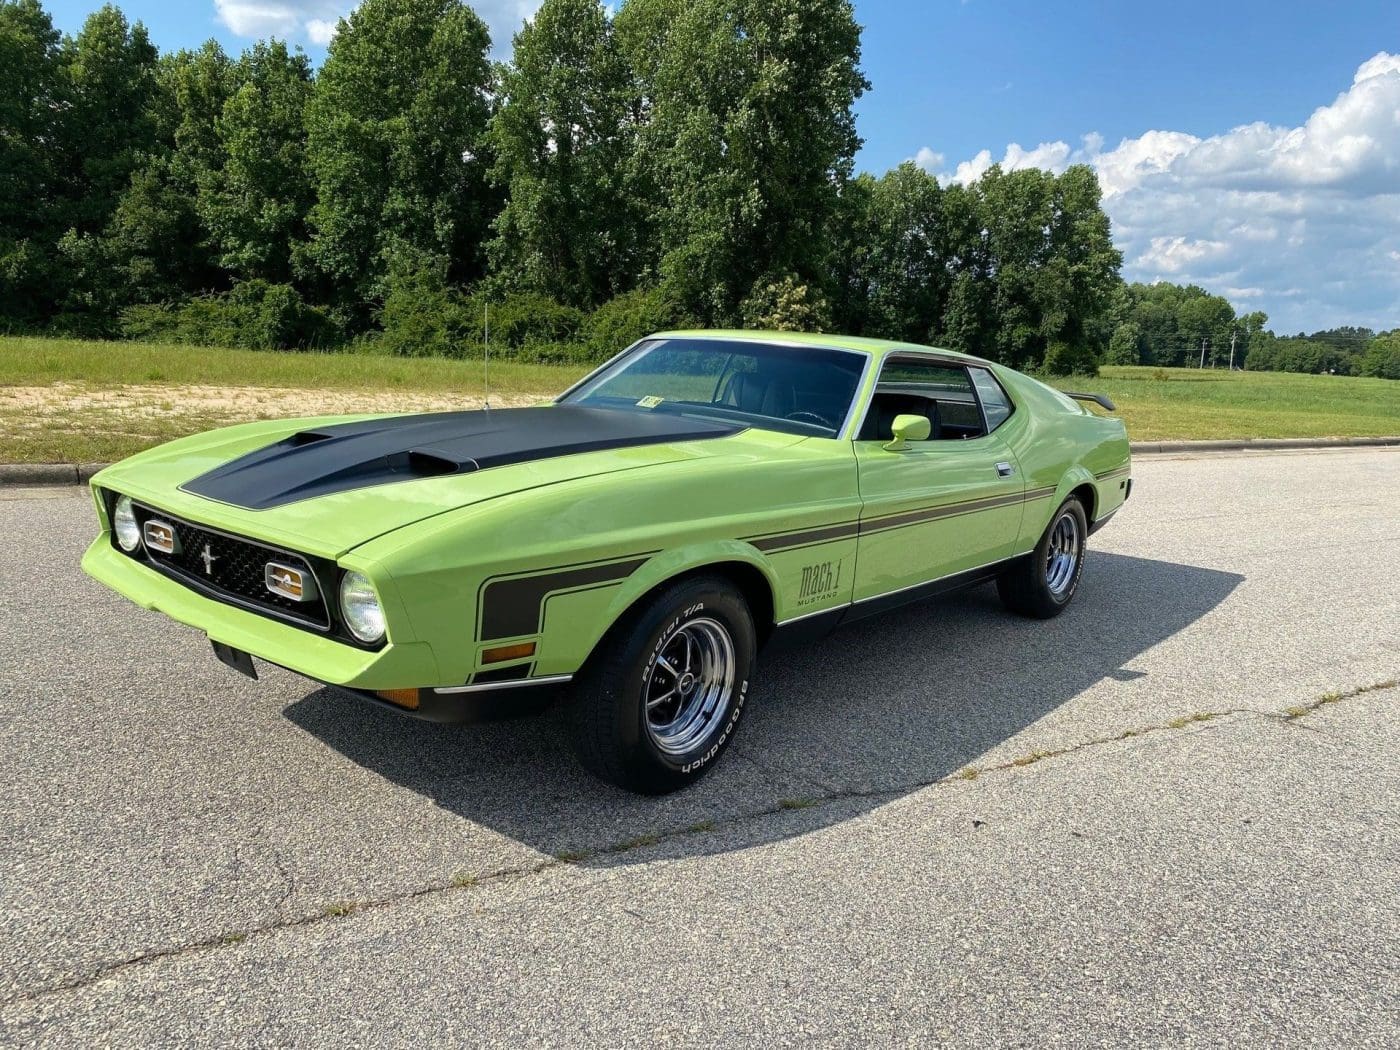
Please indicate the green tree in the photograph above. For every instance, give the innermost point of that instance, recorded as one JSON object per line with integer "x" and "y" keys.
{"x": 750, "y": 135}
{"x": 1206, "y": 320}
{"x": 395, "y": 145}
{"x": 154, "y": 247}
{"x": 1034, "y": 268}
{"x": 109, "y": 129}
{"x": 563, "y": 137}
{"x": 899, "y": 256}
{"x": 255, "y": 202}
{"x": 31, "y": 98}
{"x": 1382, "y": 356}
{"x": 1125, "y": 347}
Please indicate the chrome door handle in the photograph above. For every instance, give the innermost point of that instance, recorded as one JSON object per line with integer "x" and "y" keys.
{"x": 1005, "y": 470}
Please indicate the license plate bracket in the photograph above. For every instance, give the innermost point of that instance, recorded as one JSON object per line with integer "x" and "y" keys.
{"x": 236, "y": 658}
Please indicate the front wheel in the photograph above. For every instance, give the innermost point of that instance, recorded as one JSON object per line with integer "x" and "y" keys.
{"x": 661, "y": 698}
{"x": 1043, "y": 583}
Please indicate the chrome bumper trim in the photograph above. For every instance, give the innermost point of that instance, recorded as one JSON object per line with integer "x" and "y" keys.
{"x": 492, "y": 687}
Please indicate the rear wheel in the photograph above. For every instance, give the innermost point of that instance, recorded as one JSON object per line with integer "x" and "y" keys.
{"x": 659, "y": 701}
{"x": 1043, "y": 583}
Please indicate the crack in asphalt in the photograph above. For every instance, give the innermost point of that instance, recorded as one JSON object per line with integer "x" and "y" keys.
{"x": 343, "y": 909}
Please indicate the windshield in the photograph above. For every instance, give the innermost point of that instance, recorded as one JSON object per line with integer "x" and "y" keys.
{"x": 799, "y": 390}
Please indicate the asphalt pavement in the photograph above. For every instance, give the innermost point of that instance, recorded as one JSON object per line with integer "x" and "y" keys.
{"x": 1170, "y": 815}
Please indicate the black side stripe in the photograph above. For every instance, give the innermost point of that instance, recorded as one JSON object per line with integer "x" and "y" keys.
{"x": 1116, "y": 472}
{"x": 514, "y": 607}
{"x": 948, "y": 510}
{"x": 825, "y": 534}
{"x": 842, "y": 530}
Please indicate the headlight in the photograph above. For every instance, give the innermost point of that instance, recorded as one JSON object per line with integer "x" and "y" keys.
{"x": 360, "y": 607}
{"x": 124, "y": 524}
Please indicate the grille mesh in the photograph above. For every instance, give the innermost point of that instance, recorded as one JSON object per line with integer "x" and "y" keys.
{"x": 234, "y": 568}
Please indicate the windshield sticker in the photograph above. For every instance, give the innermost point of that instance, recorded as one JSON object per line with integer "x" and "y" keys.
{"x": 650, "y": 402}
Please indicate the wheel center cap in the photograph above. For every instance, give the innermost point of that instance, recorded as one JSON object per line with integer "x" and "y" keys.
{"x": 687, "y": 682}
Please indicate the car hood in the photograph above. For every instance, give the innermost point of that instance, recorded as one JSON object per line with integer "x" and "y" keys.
{"x": 326, "y": 485}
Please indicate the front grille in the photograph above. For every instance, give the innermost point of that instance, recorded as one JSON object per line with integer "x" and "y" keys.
{"x": 233, "y": 568}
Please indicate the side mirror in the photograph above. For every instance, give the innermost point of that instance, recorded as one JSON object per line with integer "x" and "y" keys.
{"x": 907, "y": 429}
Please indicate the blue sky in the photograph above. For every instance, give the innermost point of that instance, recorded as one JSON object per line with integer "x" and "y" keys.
{"x": 1251, "y": 147}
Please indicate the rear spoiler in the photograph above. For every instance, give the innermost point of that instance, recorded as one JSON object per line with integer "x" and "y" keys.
{"x": 1097, "y": 399}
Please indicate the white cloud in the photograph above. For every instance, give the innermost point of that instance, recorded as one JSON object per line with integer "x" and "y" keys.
{"x": 929, "y": 160}
{"x": 1177, "y": 254}
{"x": 315, "y": 20}
{"x": 321, "y": 30}
{"x": 258, "y": 18}
{"x": 1298, "y": 221}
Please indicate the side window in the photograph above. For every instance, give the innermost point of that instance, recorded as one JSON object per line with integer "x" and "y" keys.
{"x": 995, "y": 404}
{"x": 941, "y": 392}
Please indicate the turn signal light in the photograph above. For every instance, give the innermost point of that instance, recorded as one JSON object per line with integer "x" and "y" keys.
{"x": 160, "y": 536}
{"x": 407, "y": 698}
{"x": 289, "y": 582}
{"x": 508, "y": 652}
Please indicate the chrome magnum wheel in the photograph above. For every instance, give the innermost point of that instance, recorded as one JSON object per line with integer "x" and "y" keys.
{"x": 662, "y": 695}
{"x": 690, "y": 685}
{"x": 1062, "y": 557}
{"x": 1043, "y": 582}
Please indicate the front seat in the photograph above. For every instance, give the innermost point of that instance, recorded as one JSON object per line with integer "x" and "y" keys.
{"x": 757, "y": 394}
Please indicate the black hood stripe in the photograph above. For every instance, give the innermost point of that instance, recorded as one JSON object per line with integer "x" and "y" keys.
{"x": 349, "y": 456}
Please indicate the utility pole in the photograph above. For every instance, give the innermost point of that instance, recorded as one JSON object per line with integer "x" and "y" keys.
{"x": 1203, "y": 351}
{"x": 1232, "y": 349}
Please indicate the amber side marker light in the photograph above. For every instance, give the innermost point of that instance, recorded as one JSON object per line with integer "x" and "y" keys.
{"x": 402, "y": 697}
{"x": 508, "y": 652}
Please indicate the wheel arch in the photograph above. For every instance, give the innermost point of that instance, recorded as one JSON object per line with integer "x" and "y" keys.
{"x": 739, "y": 563}
{"x": 1088, "y": 496}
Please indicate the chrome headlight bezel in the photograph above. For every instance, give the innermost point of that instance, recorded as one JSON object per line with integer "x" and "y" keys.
{"x": 125, "y": 527}
{"x": 361, "y": 610}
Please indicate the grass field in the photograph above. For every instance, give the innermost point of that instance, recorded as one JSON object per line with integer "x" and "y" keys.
{"x": 71, "y": 401}
{"x": 74, "y": 401}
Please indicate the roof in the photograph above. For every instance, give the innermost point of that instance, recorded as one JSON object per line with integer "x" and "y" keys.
{"x": 879, "y": 347}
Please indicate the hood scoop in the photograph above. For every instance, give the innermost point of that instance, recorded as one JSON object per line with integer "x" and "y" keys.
{"x": 349, "y": 456}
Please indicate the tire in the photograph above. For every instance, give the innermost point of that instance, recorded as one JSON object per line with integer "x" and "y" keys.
{"x": 661, "y": 697}
{"x": 1043, "y": 583}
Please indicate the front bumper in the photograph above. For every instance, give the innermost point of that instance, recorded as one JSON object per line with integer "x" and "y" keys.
{"x": 393, "y": 667}
{"x": 477, "y": 704}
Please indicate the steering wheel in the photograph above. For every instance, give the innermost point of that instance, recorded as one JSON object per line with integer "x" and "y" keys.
{"x": 810, "y": 417}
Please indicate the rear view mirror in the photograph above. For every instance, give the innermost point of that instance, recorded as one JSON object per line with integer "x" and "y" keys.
{"x": 907, "y": 429}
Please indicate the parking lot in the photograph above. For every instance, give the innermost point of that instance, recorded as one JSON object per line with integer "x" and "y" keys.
{"x": 1171, "y": 814}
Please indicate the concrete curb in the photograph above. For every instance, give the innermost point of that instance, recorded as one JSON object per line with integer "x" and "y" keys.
{"x": 17, "y": 474}
{"x": 1259, "y": 444}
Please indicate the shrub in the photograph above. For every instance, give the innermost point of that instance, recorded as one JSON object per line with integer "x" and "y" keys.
{"x": 786, "y": 304}
{"x": 1124, "y": 348}
{"x": 522, "y": 319}
{"x": 423, "y": 317}
{"x": 621, "y": 321}
{"x": 1069, "y": 359}
{"x": 254, "y": 315}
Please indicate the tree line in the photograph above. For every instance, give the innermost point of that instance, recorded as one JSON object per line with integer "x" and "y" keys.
{"x": 1184, "y": 325}
{"x": 656, "y": 164}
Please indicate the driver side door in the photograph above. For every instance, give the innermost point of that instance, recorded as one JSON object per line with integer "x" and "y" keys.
{"x": 945, "y": 506}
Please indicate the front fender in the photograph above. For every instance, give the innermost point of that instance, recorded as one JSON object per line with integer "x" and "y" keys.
{"x": 667, "y": 566}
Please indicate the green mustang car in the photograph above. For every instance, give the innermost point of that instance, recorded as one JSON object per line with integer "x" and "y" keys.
{"x": 642, "y": 537}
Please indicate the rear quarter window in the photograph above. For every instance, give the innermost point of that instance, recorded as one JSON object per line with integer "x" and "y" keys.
{"x": 995, "y": 404}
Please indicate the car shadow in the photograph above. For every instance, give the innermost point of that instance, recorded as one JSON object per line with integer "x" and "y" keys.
{"x": 879, "y": 708}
